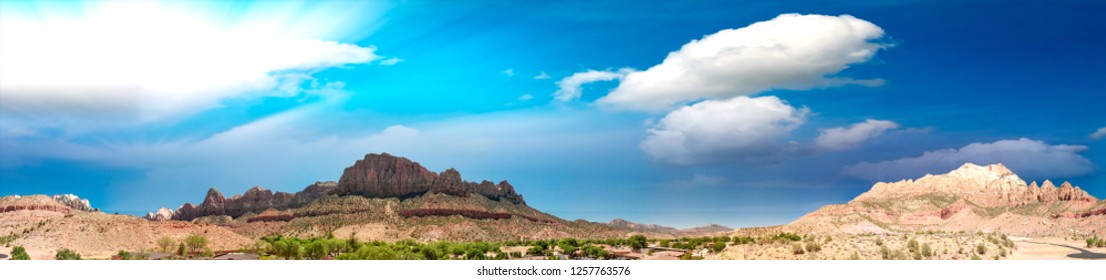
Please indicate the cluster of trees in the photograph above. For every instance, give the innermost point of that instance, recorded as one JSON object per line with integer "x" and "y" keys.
{"x": 353, "y": 249}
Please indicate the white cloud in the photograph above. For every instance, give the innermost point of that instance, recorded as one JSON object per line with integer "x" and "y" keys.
{"x": 1098, "y": 134}
{"x": 738, "y": 127}
{"x": 842, "y": 138}
{"x": 509, "y": 72}
{"x": 525, "y": 97}
{"x": 791, "y": 51}
{"x": 571, "y": 86}
{"x": 542, "y": 76}
{"x": 391, "y": 61}
{"x": 172, "y": 64}
{"x": 1029, "y": 158}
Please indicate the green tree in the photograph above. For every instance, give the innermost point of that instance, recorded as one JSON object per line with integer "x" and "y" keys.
{"x": 316, "y": 250}
{"x": 637, "y": 242}
{"x": 20, "y": 254}
{"x": 180, "y": 249}
{"x": 195, "y": 243}
{"x": 718, "y": 247}
{"x": 665, "y": 243}
{"x": 165, "y": 243}
{"x": 66, "y": 254}
{"x": 125, "y": 255}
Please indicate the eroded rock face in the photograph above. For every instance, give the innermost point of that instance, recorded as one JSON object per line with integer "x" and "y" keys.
{"x": 74, "y": 202}
{"x": 384, "y": 175}
{"x": 163, "y": 214}
{"x": 254, "y": 200}
{"x": 992, "y": 185}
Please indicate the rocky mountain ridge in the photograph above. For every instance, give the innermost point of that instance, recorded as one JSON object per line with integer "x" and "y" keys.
{"x": 384, "y": 175}
{"x": 971, "y": 198}
{"x": 254, "y": 200}
{"x": 623, "y": 224}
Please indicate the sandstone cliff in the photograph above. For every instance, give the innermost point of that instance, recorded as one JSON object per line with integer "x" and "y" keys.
{"x": 970, "y": 198}
{"x": 384, "y": 175}
{"x": 254, "y": 200}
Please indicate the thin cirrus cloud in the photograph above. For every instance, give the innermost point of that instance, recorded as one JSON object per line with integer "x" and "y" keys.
{"x": 843, "y": 138}
{"x": 172, "y": 65}
{"x": 570, "y": 88}
{"x": 1027, "y": 157}
{"x": 1098, "y": 134}
{"x": 791, "y": 51}
{"x": 745, "y": 127}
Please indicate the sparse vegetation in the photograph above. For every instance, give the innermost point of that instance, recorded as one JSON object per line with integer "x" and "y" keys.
{"x": 797, "y": 248}
{"x": 66, "y": 254}
{"x": 196, "y": 243}
{"x": 20, "y": 254}
{"x": 164, "y": 243}
{"x": 927, "y": 251}
{"x": 1095, "y": 241}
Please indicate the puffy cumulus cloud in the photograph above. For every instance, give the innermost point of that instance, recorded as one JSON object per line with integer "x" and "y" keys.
{"x": 791, "y": 51}
{"x": 570, "y": 88}
{"x": 1098, "y": 134}
{"x": 141, "y": 63}
{"x": 740, "y": 127}
{"x": 1029, "y": 158}
{"x": 842, "y": 138}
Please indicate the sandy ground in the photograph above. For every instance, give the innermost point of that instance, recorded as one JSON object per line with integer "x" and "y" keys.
{"x": 1052, "y": 248}
{"x": 35, "y": 254}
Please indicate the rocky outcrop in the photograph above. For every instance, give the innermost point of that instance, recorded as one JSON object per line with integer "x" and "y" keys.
{"x": 384, "y": 175}
{"x": 992, "y": 185}
{"x": 971, "y": 198}
{"x": 74, "y": 202}
{"x": 254, "y": 200}
{"x": 162, "y": 214}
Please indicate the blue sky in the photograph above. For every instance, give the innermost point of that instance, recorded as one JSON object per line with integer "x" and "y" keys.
{"x": 741, "y": 113}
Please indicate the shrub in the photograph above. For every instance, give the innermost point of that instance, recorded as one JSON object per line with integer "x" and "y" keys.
{"x": 813, "y": 247}
{"x": 981, "y": 249}
{"x": 66, "y": 254}
{"x": 20, "y": 254}
{"x": 637, "y": 242}
{"x": 195, "y": 243}
{"x": 912, "y": 245}
{"x": 180, "y": 249}
{"x": 879, "y": 241}
{"x": 927, "y": 251}
{"x": 976, "y": 257}
{"x": 854, "y": 256}
{"x": 125, "y": 255}
{"x": 885, "y": 252}
{"x": 165, "y": 243}
{"x": 718, "y": 247}
{"x": 797, "y": 248}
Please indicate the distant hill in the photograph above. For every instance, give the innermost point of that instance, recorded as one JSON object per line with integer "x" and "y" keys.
{"x": 651, "y": 228}
{"x": 972, "y": 198}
